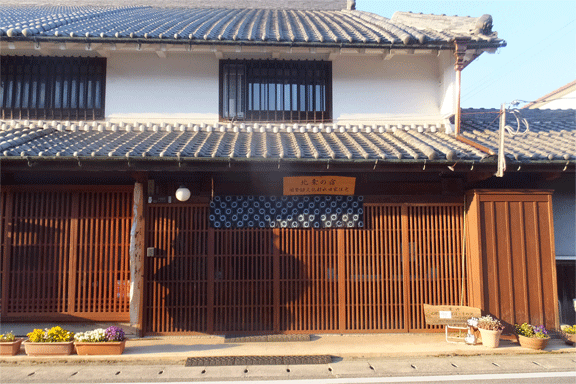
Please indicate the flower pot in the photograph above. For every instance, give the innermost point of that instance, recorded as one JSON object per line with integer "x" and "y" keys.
{"x": 569, "y": 338}
{"x": 10, "y": 348}
{"x": 490, "y": 338}
{"x": 39, "y": 349}
{"x": 533, "y": 342}
{"x": 105, "y": 348}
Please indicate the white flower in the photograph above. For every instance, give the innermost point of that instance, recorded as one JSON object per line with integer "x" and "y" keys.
{"x": 94, "y": 336}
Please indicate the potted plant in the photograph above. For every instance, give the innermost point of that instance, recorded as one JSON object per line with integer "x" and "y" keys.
{"x": 109, "y": 341}
{"x": 53, "y": 341}
{"x": 530, "y": 336}
{"x": 9, "y": 344}
{"x": 490, "y": 331}
{"x": 568, "y": 334}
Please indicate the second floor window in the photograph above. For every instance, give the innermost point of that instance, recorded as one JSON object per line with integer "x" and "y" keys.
{"x": 52, "y": 87}
{"x": 273, "y": 90}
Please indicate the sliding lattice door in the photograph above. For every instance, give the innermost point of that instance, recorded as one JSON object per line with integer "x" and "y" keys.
{"x": 65, "y": 253}
{"x": 247, "y": 281}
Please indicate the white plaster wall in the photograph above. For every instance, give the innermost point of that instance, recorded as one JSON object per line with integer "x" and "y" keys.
{"x": 409, "y": 88}
{"x": 145, "y": 86}
{"x": 448, "y": 84}
{"x": 564, "y": 208}
{"x": 370, "y": 88}
{"x": 567, "y": 101}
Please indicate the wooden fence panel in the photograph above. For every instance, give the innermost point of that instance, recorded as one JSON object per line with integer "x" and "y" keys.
{"x": 102, "y": 282}
{"x": 177, "y": 277}
{"x": 437, "y": 274}
{"x": 62, "y": 261}
{"x": 374, "y": 285}
{"x": 309, "y": 272}
{"x": 243, "y": 286}
{"x": 39, "y": 254}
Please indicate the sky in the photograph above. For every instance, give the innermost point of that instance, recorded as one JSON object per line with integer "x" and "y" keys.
{"x": 539, "y": 58}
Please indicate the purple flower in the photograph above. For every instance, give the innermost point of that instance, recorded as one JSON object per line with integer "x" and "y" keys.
{"x": 541, "y": 330}
{"x": 114, "y": 333}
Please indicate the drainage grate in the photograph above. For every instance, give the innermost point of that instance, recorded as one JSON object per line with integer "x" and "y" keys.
{"x": 257, "y": 360}
{"x": 265, "y": 338}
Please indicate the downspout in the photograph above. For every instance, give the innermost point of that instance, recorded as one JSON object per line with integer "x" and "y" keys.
{"x": 458, "y": 113}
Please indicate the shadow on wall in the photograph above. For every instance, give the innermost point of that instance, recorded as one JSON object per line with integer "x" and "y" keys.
{"x": 239, "y": 281}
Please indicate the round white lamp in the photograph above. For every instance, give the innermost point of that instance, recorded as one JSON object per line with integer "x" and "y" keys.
{"x": 182, "y": 193}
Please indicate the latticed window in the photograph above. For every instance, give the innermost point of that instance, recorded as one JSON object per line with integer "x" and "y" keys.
{"x": 273, "y": 90}
{"x": 52, "y": 87}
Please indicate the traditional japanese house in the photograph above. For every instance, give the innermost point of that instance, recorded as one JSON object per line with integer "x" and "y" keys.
{"x": 329, "y": 180}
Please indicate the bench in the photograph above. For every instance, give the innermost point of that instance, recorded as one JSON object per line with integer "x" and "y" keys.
{"x": 450, "y": 316}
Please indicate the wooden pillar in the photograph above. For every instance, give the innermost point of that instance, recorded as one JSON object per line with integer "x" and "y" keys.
{"x": 7, "y": 249}
{"x": 137, "y": 247}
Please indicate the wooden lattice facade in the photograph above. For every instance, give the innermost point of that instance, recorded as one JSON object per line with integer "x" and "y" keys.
{"x": 373, "y": 279}
{"x": 65, "y": 253}
{"x": 68, "y": 252}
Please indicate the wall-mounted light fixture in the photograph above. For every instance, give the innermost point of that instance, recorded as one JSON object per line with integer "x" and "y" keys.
{"x": 182, "y": 193}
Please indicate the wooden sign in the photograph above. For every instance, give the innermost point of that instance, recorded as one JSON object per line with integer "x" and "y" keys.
{"x": 449, "y": 314}
{"x": 319, "y": 185}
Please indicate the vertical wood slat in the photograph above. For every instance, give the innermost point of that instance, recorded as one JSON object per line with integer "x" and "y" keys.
{"x": 73, "y": 258}
{"x": 406, "y": 267}
{"x": 210, "y": 280}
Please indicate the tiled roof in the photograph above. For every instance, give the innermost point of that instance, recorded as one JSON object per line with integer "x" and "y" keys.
{"x": 241, "y": 141}
{"x": 551, "y": 133}
{"x": 249, "y": 26}
{"x": 551, "y": 137}
{"x": 334, "y": 5}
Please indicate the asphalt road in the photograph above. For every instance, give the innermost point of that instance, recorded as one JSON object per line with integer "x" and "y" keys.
{"x": 529, "y": 368}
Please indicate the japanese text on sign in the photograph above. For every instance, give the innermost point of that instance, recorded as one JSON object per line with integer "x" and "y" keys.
{"x": 319, "y": 185}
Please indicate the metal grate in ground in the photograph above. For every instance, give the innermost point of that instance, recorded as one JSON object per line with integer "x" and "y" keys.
{"x": 265, "y": 338}
{"x": 257, "y": 360}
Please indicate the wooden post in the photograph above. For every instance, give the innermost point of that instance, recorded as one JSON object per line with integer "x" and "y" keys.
{"x": 341, "y": 281}
{"x": 210, "y": 279}
{"x": 409, "y": 309}
{"x": 137, "y": 246}
{"x": 73, "y": 255}
{"x": 276, "y": 280}
{"x": 7, "y": 250}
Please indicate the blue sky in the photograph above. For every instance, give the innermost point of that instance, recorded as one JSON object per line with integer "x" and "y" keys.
{"x": 539, "y": 58}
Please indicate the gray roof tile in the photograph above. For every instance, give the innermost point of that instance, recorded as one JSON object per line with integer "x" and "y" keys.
{"x": 552, "y": 136}
{"x": 224, "y": 26}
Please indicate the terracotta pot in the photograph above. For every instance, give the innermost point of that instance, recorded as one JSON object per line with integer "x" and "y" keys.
{"x": 10, "y": 348}
{"x": 105, "y": 348}
{"x": 533, "y": 342}
{"x": 569, "y": 338}
{"x": 490, "y": 339}
{"x": 39, "y": 349}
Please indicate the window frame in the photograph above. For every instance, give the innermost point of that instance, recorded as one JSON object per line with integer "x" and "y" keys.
{"x": 50, "y": 87}
{"x": 302, "y": 90}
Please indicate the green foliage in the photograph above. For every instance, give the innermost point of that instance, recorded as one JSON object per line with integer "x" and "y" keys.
{"x": 528, "y": 330}
{"x": 7, "y": 337}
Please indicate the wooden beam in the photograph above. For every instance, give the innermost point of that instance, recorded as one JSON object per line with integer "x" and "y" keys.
{"x": 474, "y": 177}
